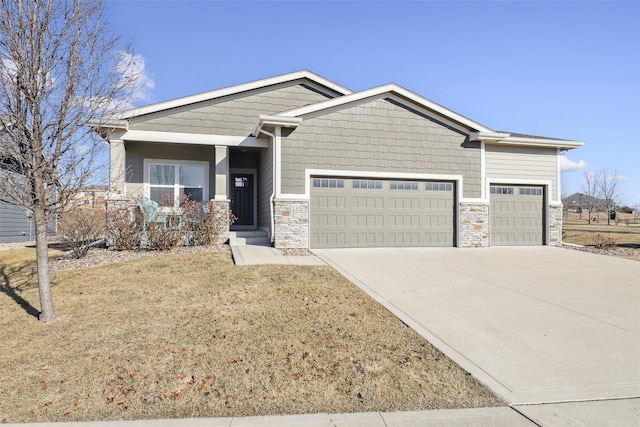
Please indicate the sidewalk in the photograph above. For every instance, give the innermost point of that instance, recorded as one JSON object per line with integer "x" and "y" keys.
{"x": 259, "y": 255}
{"x": 623, "y": 412}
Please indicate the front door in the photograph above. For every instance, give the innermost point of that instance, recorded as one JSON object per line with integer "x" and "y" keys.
{"x": 242, "y": 198}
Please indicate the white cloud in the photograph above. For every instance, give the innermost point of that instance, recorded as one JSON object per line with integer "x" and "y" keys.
{"x": 567, "y": 165}
{"x": 620, "y": 178}
{"x": 135, "y": 76}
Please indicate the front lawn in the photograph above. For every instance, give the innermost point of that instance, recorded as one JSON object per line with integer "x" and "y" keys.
{"x": 192, "y": 335}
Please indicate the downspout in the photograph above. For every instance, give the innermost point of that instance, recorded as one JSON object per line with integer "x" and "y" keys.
{"x": 272, "y": 197}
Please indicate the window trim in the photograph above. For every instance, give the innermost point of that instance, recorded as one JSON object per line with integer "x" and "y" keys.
{"x": 176, "y": 186}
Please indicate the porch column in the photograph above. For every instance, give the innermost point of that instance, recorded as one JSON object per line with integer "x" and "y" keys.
{"x": 116, "y": 166}
{"x": 222, "y": 171}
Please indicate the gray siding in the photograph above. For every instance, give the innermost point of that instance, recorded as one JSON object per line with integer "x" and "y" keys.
{"x": 523, "y": 163}
{"x": 138, "y": 151}
{"x": 233, "y": 115}
{"x": 378, "y": 136}
{"x": 265, "y": 187}
{"x": 15, "y": 226}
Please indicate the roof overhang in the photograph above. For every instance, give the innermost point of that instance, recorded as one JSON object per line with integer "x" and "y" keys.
{"x": 505, "y": 138}
{"x": 268, "y": 122}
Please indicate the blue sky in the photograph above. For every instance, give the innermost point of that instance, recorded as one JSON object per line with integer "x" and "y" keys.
{"x": 563, "y": 69}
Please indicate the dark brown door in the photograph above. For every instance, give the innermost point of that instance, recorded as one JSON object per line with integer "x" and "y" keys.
{"x": 242, "y": 198}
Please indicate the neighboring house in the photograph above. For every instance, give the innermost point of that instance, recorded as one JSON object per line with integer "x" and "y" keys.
{"x": 90, "y": 196}
{"x": 315, "y": 165}
{"x": 16, "y": 222}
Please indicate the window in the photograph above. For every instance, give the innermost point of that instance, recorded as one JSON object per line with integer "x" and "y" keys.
{"x": 403, "y": 185}
{"x": 530, "y": 191}
{"x": 328, "y": 183}
{"x": 438, "y": 186}
{"x": 367, "y": 184}
{"x": 168, "y": 181}
{"x": 501, "y": 190}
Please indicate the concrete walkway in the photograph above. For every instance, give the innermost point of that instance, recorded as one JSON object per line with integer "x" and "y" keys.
{"x": 259, "y": 255}
{"x": 602, "y": 413}
{"x": 536, "y": 324}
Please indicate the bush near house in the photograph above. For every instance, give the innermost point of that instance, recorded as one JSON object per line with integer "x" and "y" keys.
{"x": 192, "y": 223}
{"x": 80, "y": 227}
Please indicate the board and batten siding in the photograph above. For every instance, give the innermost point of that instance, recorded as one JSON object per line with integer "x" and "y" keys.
{"x": 231, "y": 115}
{"x": 379, "y": 136}
{"x": 518, "y": 163}
{"x": 138, "y": 151}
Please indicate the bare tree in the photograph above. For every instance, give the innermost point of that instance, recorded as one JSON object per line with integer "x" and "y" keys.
{"x": 60, "y": 71}
{"x": 591, "y": 190}
{"x": 609, "y": 192}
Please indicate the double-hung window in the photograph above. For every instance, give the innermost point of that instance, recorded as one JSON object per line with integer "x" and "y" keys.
{"x": 170, "y": 180}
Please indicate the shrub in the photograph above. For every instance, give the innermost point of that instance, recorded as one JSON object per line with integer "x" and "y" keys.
{"x": 124, "y": 228}
{"x": 204, "y": 223}
{"x": 604, "y": 242}
{"x": 80, "y": 227}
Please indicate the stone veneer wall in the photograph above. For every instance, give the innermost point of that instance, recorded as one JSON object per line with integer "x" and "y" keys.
{"x": 474, "y": 225}
{"x": 555, "y": 225}
{"x": 291, "y": 224}
{"x": 225, "y": 212}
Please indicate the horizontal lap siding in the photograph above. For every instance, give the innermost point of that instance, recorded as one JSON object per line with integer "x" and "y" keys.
{"x": 378, "y": 136}
{"x": 523, "y": 163}
{"x": 233, "y": 115}
{"x": 15, "y": 226}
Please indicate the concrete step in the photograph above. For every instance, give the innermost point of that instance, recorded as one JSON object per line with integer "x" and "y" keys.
{"x": 249, "y": 237}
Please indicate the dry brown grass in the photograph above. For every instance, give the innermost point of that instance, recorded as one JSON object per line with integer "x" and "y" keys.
{"x": 621, "y": 235}
{"x": 195, "y": 336}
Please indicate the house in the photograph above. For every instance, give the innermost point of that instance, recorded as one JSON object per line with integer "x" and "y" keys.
{"x": 311, "y": 164}
{"x": 16, "y": 222}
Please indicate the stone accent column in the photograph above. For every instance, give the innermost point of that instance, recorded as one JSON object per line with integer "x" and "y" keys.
{"x": 291, "y": 228}
{"x": 117, "y": 166}
{"x": 223, "y": 205}
{"x": 474, "y": 225}
{"x": 222, "y": 172}
{"x": 555, "y": 225}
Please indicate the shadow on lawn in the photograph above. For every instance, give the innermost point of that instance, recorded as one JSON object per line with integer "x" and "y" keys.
{"x": 14, "y": 280}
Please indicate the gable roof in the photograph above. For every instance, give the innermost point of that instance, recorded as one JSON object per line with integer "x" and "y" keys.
{"x": 385, "y": 91}
{"x": 344, "y": 99}
{"x": 233, "y": 90}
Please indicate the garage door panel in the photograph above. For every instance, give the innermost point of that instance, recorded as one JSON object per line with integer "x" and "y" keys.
{"x": 381, "y": 213}
{"x": 517, "y": 215}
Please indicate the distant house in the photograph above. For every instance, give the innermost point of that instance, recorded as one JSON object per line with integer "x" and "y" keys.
{"x": 90, "y": 196}
{"x": 311, "y": 164}
{"x": 578, "y": 202}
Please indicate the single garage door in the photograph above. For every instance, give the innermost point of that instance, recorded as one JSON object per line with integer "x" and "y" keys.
{"x": 349, "y": 212}
{"x": 517, "y": 215}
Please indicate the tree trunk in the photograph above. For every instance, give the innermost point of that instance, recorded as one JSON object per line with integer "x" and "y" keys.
{"x": 47, "y": 313}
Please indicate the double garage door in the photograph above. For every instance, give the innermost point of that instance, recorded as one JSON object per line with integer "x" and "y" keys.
{"x": 517, "y": 215}
{"x": 351, "y": 212}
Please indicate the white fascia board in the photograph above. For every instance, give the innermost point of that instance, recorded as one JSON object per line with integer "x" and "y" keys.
{"x": 540, "y": 142}
{"x": 502, "y": 138}
{"x": 232, "y": 90}
{"x": 191, "y": 138}
{"x": 287, "y": 122}
{"x": 388, "y": 90}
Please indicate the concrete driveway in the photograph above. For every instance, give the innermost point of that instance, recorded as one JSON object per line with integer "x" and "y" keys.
{"x": 536, "y": 324}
